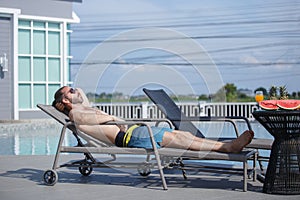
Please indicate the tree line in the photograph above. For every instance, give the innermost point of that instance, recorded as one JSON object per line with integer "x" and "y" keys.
{"x": 228, "y": 93}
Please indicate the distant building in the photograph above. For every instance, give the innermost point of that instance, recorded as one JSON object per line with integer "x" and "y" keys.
{"x": 247, "y": 92}
{"x": 34, "y": 54}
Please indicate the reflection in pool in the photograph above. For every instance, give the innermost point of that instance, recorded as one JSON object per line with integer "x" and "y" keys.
{"x": 31, "y": 138}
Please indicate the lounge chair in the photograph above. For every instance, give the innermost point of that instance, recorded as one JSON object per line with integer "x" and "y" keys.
{"x": 163, "y": 157}
{"x": 181, "y": 122}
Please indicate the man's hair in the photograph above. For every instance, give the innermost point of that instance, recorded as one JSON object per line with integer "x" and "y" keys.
{"x": 58, "y": 96}
{"x": 57, "y": 102}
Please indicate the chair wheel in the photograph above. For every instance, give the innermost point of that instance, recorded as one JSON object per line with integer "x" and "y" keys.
{"x": 85, "y": 170}
{"x": 144, "y": 170}
{"x": 50, "y": 177}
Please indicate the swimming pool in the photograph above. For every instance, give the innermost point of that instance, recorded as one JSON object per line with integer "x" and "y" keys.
{"x": 40, "y": 137}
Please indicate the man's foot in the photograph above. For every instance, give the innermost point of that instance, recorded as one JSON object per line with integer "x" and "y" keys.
{"x": 239, "y": 143}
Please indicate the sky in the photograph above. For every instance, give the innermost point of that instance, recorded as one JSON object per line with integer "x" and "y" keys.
{"x": 186, "y": 46}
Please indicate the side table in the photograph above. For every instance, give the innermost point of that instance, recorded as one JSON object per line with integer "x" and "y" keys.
{"x": 283, "y": 172}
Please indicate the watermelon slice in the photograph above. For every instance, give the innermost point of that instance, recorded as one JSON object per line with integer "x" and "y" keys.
{"x": 269, "y": 104}
{"x": 289, "y": 104}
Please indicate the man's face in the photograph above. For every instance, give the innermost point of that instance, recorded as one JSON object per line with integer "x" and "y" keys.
{"x": 72, "y": 95}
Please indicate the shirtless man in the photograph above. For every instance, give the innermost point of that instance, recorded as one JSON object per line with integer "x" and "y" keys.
{"x": 89, "y": 120}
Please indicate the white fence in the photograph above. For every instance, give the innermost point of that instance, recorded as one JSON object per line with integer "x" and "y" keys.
{"x": 229, "y": 109}
{"x": 149, "y": 110}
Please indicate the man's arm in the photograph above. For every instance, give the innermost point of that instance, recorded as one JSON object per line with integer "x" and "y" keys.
{"x": 90, "y": 117}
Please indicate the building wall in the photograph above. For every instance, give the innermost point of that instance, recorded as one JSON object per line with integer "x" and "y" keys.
{"x": 36, "y": 34}
{"x": 48, "y": 8}
{"x": 6, "y": 90}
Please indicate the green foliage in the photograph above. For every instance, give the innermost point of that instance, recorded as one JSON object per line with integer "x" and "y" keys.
{"x": 203, "y": 97}
{"x": 231, "y": 92}
{"x": 228, "y": 93}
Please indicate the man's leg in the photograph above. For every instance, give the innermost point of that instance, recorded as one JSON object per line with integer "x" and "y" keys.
{"x": 185, "y": 140}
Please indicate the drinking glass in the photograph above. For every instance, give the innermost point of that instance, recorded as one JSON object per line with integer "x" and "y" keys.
{"x": 259, "y": 96}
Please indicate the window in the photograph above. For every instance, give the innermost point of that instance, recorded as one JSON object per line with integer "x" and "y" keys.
{"x": 53, "y": 70}
{"x": 39, "y": 69}
{"x": 39, "y": 93}
{"x": 39, "y": 42}
{"x": 24, "y": 69}
{"x": 54, "y": 43}
{"x": 24, "y": 96}
{"x": 24, "y": 41}
{"x": 41, "y": 61}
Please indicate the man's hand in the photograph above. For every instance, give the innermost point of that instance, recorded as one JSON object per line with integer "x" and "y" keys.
{"x": 122, "y": 127}
{"x": 60, "y": 107}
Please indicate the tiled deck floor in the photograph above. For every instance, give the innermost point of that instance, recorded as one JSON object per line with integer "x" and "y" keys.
{"x": 21, "y": 178}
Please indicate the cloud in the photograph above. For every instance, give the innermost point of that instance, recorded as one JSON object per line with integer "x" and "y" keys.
{"x": 248, "y": 59}
{"x": 281, "y": 65}
{"x": 278, "y": 65}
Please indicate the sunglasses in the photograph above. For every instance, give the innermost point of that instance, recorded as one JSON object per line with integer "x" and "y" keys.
{"x": 72, "y": 90}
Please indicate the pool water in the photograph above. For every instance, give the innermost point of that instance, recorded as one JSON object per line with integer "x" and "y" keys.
{"x": 41, "y": 137}
{"x": 34, "y": 138}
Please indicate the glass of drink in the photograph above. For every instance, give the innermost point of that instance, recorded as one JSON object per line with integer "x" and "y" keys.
{"x": 259, "y": 96}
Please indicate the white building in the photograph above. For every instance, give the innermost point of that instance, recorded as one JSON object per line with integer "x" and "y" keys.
{"x": 34, "y": 54}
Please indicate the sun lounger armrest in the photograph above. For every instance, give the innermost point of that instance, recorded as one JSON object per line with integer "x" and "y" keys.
{"x": 234, "y": 118}
{"x": 141, "y": 121}
{"x": 209, "y": 119}
{"x": 242, "y": 118}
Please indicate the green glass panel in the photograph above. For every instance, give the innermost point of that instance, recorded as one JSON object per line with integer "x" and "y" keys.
{"x": 24, "y": 23}
{"x": 54, "y": 43}
{"x": 52, "y": 88}
{"x": 24, "y": 96}
{"x": 24, "y": 41}
{"x": 69, "y": 27}
{"x": 37, "y": 24}
{"x": 39, "y": 42}
{"x": 53, "y": 25}
{"x": 68, "y": 44}
{"x": 69, "y": 77}
{"x": 39, "y": 69}
{"x": 54, "y": 69}
{"x": 24, "y": 69}
{"x": 39, "y": 94}
{"x": 68, "y": 70}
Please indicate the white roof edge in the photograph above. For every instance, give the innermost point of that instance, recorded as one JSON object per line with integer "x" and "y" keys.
{"x": 75, "y": 17}
{"x": 10, "y": 10}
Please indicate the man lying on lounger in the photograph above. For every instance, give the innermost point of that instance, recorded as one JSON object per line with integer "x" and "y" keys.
{"x": 88, "y": 120}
